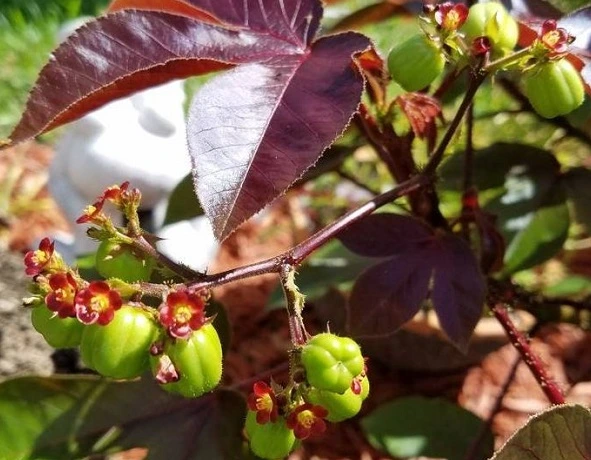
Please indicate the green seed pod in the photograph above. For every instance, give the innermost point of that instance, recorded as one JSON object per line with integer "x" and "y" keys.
{"x": 272, "y": 440}
{"x": 492, "y": 20}
{"x": 415, "y": 63}
{"x": 197, "y": 360}
{"x": 120, "y": 349}
{"x": 116, "y": 260}
{"x": 364, "y": 388}
{"x": 331, "y": 362}
{"x": 339, "y": 407}
{"x": 554, "y": 88}
{"x": 57, "y": 332}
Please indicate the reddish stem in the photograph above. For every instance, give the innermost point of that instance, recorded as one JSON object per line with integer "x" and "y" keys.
{"x": 520, "y": 342}
{"x": 296, "y": 255}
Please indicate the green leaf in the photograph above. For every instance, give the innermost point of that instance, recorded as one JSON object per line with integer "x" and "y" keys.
{"x": 71, "y": 417}
{"x": 331, "y": 266}
{"x": 573, "y": 285}
{"x": 560, "y": 433}
{"x": 183, "y": 203}
{"x": 533, "y": 235}
{"x": 417, "y": 426}
{"x": 578, "y": 188}
{"x": 532, "y": 168}
{"x": 526, "y": 194}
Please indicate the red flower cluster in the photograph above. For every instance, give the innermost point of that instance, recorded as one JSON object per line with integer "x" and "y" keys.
{"x": 61, "y": 298}
{"x": 39, "y": 260}
{"x": 93, "y": 213}
{"x": 182, "y": 314}
{"x": 97, "y": 303}
{"x": 262, "y": 401}
{"x": 307, "y": 420}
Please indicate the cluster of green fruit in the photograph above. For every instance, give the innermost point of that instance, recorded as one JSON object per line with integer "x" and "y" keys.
{"x": 550, "y": 82}
{"x": 134, "y": 338}
{"x": 332, "y": 388}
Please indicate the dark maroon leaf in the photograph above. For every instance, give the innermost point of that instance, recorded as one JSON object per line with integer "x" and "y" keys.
{"x": 294, "y": 21}
{"x": 376, "y": 12}
{"x": 180, "y": 7}
{"x": 384, "y": 235}
{"x": 578, "y": 24}
{"x": 531, "y": 10}
{"x": 458, "y": 290}
{"x": 127, "y": 51}
{"x": 389, "y": 294}
{"x": 256, "y": 129}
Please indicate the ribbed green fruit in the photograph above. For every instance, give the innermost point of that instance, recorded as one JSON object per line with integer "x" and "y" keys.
{"x": 198, "y": 361}
{"x": 57, "y": 332}
{"x": 120, "y": 349}
{"x": 339, "y": 407}
{"x": 331, "y": 362}
{"x": 273, "y": 440}
{"x": 415, "y": 63}
{"x": 492, "y": 20}
{"x": 554, "y": 88}
{"x": 116, "y": 260}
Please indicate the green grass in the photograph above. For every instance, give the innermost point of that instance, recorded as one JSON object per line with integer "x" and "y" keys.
{"x": 27, "y": 36}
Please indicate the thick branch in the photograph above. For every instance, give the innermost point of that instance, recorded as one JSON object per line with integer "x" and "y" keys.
{"x": 296, "y": 255}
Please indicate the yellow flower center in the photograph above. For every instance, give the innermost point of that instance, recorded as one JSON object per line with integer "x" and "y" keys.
{"x": 65, "y": 295}
{"x": 99, "y": 303}
{"x": 452, "y": 19}
{"x": 89, "y": 210}
{"x": 182, "y": 313}
{"x": 306, "y": 418}
{"x": 40, "y": 257}
{"x": 264, "y": 402}
{"x": 551, "y": 38}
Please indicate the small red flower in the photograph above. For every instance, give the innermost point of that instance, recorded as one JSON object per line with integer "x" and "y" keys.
{"x": 114, "y": 193}
{"x": 556, "y": 39}
{"x": 450, "y": 16}
{"x": 165, "y": 371}
{"x": 182, "y": 314}
{"x": 36, "y": 261}
{"x": 481, "y": 46}
{"x": 97, "y": 303}
{"x": 307, "y": 420}
{"x": 91, "y": 213}
{"x": 62, "y": 296}
{"x": 262, "y": 400}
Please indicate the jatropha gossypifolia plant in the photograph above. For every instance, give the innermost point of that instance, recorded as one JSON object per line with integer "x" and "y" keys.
{"x": 284, "y": 94}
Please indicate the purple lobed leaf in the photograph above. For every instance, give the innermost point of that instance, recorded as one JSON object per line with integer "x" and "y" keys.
{"x": 127, "y": 51}
{"x": 531, "y": 10}
{"x": 295, "y": 21}
{"x": 256, "y": 129}
{"x": 390, "y": 234}
{"x": 578, "y": 24}
{"x": 389, "y": 294}
{"x": 458, "y": 290}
